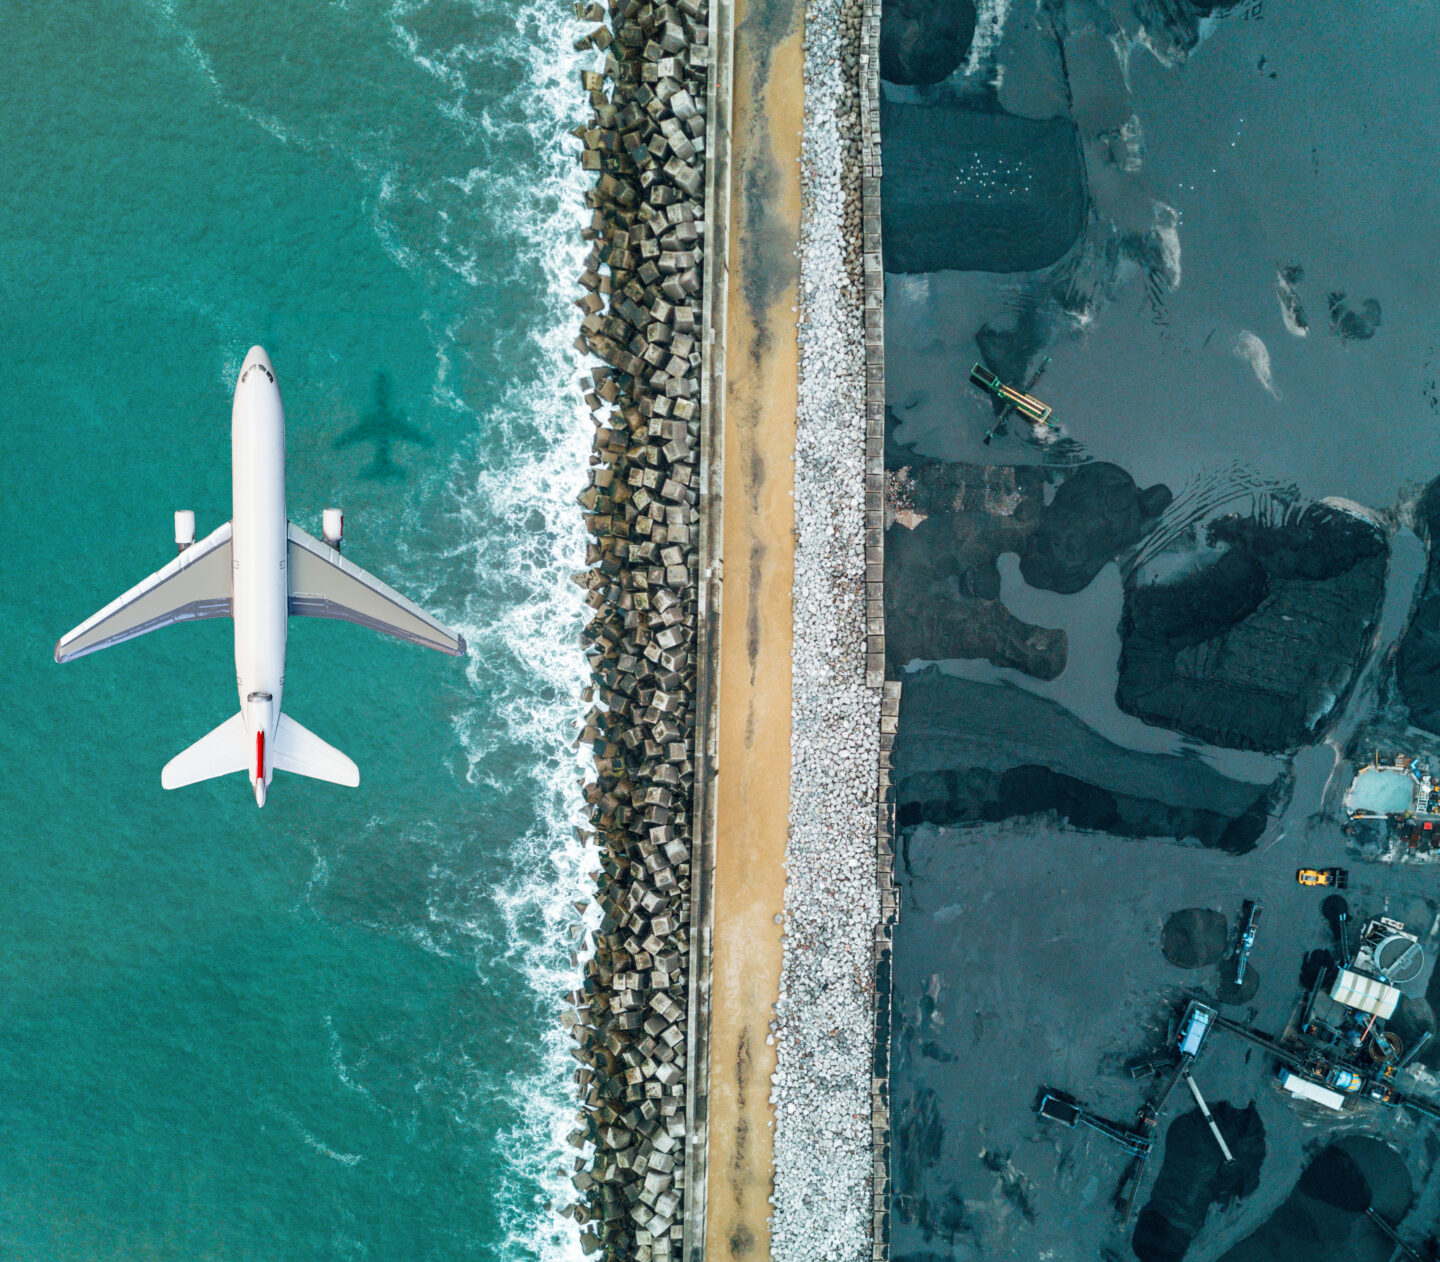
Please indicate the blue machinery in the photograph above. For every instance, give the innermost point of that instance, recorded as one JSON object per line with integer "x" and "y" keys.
{"x": 1249, "y": 923}
{"x": 1060, "y": 1108}
{"x": 1195, "y": 1027}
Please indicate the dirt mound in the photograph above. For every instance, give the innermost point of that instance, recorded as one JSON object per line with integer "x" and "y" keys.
{"x": 1195, "y": 1176}
{"x": 1258, "y": 648}
{"x": 1194, "y": 937}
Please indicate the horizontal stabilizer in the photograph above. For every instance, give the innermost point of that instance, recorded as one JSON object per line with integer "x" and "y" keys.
{"x": 300, "y": 752}
{"x": 196, "y": 584}
{"x": 218, "y": 754}
{"x": 323, "y": 584}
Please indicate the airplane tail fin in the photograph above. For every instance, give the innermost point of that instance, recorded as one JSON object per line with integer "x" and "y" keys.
{"x": 217, "y": 753}
{"x": 300, "y": 752}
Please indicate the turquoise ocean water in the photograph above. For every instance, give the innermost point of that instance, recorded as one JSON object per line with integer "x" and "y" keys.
{"x": 324, "y": 1029}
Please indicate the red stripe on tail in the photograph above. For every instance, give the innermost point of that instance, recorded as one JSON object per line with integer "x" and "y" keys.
{"x": 259, "y": 755}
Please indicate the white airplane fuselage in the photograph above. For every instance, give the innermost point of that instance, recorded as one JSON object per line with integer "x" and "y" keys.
{"x": 261, "y": 569}
{"x": 261, "y": 591}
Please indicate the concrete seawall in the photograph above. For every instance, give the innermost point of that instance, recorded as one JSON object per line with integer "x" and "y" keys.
{"x": 710, "y": 578}
{"x": 874, "y": 296}
{"x": 675, "y": 823}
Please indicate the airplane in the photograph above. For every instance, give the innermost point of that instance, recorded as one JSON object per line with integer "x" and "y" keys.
{"x": 260, "y": 569}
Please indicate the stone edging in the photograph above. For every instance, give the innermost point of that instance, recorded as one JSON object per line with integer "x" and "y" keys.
{"x": 874, "y": 268}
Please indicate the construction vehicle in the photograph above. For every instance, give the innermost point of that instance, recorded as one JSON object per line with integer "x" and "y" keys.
{"x": 1056, "y": 1107}
{"x": 1249, "y": 923}
{"x": 1338, "y": 877}
{"x": 1028, "y": 406}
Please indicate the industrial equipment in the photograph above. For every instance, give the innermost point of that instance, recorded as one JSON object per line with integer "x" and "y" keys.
{"x": 1056, "y": 1107}
{"x": 1028, "y": 406}
{"x": 1249, "y": 923}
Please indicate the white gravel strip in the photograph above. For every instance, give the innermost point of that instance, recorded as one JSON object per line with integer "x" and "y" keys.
{"x": 824, "y": 1018}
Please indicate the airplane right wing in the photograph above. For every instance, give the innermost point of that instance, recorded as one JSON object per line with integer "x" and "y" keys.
{"x": 323, "y": 584}
{"x": 196, "y": 584}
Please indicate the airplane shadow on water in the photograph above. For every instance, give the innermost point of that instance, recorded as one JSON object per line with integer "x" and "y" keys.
{"x": 385, "y": 426}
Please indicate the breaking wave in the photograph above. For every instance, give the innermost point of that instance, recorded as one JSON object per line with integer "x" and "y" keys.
{"x": 518, "y": 519}
{"x": 488, "y": 217}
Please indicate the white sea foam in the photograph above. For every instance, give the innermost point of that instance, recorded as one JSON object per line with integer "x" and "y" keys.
{"x": 519, "y": 520}
{"x": 200, "y": 59}
{"x": 319, "y": 1145}
{"x": 510, "y": 515}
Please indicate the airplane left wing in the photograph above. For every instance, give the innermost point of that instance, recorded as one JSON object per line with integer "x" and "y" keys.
{"x": 323, "y": 584}
{"x": 196, "y": 584}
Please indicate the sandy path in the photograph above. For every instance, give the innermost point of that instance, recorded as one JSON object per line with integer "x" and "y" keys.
{"x": 753, "y": 778}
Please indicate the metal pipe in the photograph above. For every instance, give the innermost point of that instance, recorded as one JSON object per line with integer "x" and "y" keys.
{"x": 1394, "y": 1236}
{"x": 1205, "y": 1113}
{"x": 1411, "y": 1054}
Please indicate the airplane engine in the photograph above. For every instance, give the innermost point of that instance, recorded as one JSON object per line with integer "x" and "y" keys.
{"x": 333, "y": 527}
{"x": 184, "y": 529}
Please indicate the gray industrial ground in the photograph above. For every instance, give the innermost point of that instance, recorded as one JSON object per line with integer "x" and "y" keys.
{"x": 1208, "y": 231}
{"x": 1031, "y": 957}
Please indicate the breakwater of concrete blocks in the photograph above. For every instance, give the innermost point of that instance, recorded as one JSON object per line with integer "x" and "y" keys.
{"x": 642, "y": 310}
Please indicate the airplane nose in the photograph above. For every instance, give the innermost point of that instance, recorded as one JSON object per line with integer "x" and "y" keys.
{"x": 258, "y": 361}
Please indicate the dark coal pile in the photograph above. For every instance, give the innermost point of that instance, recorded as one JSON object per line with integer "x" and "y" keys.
{"x": 1195, "y": 937}
{"x": 1231, "y": 992}
{"x": 1354, "y": 324}
{"x": 923, "y": 41}
{"x": 966, "y": 190}
{"x": 1314, "y": 966}
{"x": 973, "y": 752}
{"x": 942, "y": 585}
{"x": 1096, "y": 514}
{"x": 950, "y": 522}
{"x": 1256, "y": 649}
{"x": 1335, "y": 1178}
{"x": 1323, "y": 1218}
{"x": 919, "y": 1137}
{"x": 1195, "y": 1176}
{"x": 972, "y": 794}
